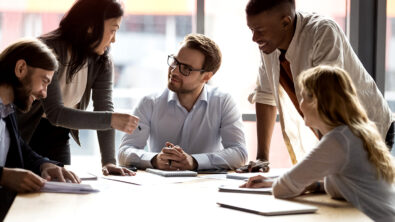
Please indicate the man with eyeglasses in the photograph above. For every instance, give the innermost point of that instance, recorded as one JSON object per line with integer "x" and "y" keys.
{"x": 190, "y": 126}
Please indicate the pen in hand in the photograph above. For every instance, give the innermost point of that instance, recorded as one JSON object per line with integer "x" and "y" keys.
{"x": 258, "y": 182}
{"x": 169, "y": 161}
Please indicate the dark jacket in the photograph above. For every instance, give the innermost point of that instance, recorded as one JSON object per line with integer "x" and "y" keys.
{"x": 20, "y": 155}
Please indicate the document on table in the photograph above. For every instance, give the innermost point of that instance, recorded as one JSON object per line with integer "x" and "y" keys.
{"x": 83, "y": 174}
{"x": 273, "y": 173}
{"x": 176, "y": 173}
{"x": 62, "y": 187}
{"x": 149, "y": 179}
{"x": 226, "y": 188}
{"x": 87, "y": 176}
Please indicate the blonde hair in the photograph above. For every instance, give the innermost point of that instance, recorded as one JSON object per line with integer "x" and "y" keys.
{"x": 338, "y": 104}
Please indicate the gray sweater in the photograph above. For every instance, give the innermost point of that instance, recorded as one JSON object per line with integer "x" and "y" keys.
{"x": 99, "y": 84}
{"x": 342, "y": 161}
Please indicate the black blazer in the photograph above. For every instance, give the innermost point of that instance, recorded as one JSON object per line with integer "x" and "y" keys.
{"x": 20, "y": 155}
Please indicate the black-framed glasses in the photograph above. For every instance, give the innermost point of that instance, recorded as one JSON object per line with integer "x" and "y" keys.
{"x": 183, "y": 68}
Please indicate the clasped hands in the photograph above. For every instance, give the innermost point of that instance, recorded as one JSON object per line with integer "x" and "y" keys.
{"x": 173, "y": 157}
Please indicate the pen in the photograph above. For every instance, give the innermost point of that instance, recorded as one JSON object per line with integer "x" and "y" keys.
{"x": 139, "y": 127}
{"x": 169, "y": 161}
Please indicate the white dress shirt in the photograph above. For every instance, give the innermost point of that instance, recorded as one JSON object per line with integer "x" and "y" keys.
{"x": 211, "y": 132}
{"x": 317, "y": 41}
{"x": 5, "y": 139}
{"x": 342, "y": 161}
{"x": 73, "y": 91}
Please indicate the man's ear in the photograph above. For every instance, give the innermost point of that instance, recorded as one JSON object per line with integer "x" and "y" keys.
{"x": 207, "y": 76}
{"x": 286, "y": 22}
{"x": 21, "y": 68}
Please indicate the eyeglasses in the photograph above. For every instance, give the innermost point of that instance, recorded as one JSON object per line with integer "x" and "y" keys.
{"x": 183, "y": 68}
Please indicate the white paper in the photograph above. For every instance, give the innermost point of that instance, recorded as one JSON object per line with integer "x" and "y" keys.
{"x": 61, "y": 187}
{"x": 213, "y": 176}
{"x": 149, "y": 179}
{"x": 273, "y": 173}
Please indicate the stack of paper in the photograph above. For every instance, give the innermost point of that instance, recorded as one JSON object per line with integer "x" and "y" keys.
{"x": 61, "y": 187}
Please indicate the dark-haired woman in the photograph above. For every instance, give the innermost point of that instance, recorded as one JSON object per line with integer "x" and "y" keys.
{"x": 81, "y": 43}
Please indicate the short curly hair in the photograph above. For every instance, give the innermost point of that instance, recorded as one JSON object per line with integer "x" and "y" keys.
{"x": 255, "y": 7}
{"x": 212, "y": 53}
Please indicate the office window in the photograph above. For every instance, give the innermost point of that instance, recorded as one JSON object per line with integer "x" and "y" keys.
{"x": 150, "y": 30}
{"x": 226, "y": 24}
{"x": 390, "y": 58}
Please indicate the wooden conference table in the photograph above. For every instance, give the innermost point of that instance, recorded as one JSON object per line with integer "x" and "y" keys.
{"x": 188, "y": 201}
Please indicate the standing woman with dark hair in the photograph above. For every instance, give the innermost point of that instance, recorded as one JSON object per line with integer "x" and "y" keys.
{"x": 81, "y": 43}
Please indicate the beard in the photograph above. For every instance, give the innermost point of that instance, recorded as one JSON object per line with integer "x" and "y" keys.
{"x": 22, "y": 92}
{"x": 177, "y": 87}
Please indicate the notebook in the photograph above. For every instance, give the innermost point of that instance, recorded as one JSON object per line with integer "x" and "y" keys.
{"x": 213, "y": 171}
{"x": 273, "y": 173}
{"x": 178, "y": 173}
{"x": 268, "y": 206}
{"x": 236, "y": 189}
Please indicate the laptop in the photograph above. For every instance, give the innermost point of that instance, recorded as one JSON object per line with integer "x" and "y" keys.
{"x": 236, "y": 189}
{"x": 267, "y": 206}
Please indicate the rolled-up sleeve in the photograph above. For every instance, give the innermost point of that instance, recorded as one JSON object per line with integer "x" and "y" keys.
{"x": 262, "y": 92}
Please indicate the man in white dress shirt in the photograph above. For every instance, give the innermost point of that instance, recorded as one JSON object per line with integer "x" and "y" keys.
{"x": 190, "y": 126}
{"x": 291, "y": 42}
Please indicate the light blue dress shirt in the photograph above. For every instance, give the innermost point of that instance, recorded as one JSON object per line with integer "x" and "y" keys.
{"x": 5, "y": 110}
{"x": 212, "y": 132}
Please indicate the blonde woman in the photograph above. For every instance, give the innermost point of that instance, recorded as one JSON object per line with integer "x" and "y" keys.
{"x": 351, "y": 156}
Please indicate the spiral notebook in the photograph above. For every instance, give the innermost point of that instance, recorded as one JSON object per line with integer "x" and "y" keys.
{"x": 178, "y": 173}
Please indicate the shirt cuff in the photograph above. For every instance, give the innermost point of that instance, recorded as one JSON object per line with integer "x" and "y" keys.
{"x": 263, "y": 98}
{"x": 145, "y": 161}
{"x": 203, "y": 161}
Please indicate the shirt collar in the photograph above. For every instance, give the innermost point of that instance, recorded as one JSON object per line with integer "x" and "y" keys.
{"x": 5, "y": 110}
{"x": 172, "y": 96}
